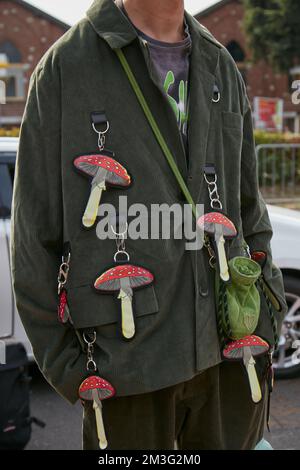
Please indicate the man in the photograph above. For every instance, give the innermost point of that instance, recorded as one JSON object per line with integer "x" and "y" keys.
{"x": 170, "y": 380}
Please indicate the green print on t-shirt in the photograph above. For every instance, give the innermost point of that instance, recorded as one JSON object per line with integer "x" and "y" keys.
{"x": 178, "y": 107}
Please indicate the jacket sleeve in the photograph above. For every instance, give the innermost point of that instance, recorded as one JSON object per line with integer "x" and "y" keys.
{"x": 257, "y": 229}
{"x": 37, "y": 235}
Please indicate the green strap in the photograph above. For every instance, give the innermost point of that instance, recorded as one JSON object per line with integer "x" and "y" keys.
{"x": 156, "y": 131}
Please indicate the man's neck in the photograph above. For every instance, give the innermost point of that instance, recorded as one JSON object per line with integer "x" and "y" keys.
{"x": 161, "y": 20}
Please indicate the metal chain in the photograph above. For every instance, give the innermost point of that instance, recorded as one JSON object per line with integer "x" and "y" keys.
{"x": 91, "y": 364}
{"x": 101, "y": 141}
{"x": 101, "y": 135}
{"x": 212, "y": 255}
{"x": 120, "y": 243}
{"x": 214, "y": 196}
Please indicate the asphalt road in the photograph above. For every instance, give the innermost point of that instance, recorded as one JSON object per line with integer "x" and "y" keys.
{"x": 63, "y": 421}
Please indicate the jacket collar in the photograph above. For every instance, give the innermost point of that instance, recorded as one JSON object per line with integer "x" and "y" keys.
{"x": 112, "y": 25}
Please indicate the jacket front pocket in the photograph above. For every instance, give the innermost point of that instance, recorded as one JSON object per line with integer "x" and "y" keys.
{"x": 230, "y": 164}
{"x": 232, "y": 120}
{"x": 232, "y": 130}
{"x": 89, "y": 308}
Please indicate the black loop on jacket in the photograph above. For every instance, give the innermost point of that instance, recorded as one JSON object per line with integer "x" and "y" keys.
{"x": 209, "y": 169}
{"x": 98, "y": 117}
{"x": 216, "y": 94}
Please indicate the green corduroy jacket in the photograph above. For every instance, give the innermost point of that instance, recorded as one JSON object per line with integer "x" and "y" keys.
{"x": 175, "y": 317}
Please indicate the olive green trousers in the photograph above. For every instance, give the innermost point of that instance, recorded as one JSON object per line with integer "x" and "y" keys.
{"x": 211, "y": 411}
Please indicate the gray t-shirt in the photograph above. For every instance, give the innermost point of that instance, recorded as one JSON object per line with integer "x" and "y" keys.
{"x": 171, "y": 62}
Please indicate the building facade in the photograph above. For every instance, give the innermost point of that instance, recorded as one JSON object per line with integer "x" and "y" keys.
{"x": 25, "y": 35}
{"x": 225, "y": 21}
{"x": 26, "y": 32}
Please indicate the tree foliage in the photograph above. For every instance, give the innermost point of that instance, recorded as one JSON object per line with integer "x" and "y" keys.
{"x": 273, "y": 31}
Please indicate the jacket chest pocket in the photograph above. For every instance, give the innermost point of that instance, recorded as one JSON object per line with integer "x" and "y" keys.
{"x": 225, "y": 137}
{"x": 224, "y": 150}
{"x": 90, "y": 309}
{"x": 232, "y": 120}
{"x": 232, "y": 139}
{"x": 230, "y": 167}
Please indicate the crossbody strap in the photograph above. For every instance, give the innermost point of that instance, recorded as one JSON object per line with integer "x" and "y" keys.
{"x": 156, "y": 131}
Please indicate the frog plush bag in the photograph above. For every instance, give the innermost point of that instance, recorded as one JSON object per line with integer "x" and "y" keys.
{"x": 243, "y": 298}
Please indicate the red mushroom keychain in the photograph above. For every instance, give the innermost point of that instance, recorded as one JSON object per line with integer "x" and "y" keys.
{"x": 105, "y": 171}
{"x": 246, "y": 349}
{"x": 219, "y": 227}
{"x": 215, "y": 224}
{"x": 96, "y": 389}
{"x": 123, "y": 279}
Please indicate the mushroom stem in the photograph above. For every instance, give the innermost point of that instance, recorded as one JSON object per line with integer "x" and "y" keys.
{"x": 220, "y": 243}
{"x": 128, "y": 327}
{"x": 249, "y": 363}
{"x": 97, "y": 406}
{"x": 91, "y": 210}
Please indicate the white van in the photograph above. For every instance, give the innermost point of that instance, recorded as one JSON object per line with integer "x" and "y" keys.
{"x": 11, "y": 328}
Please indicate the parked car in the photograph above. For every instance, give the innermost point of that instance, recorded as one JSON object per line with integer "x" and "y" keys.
{"x": 11, "y": 328}
{"x": 286, "y": 253}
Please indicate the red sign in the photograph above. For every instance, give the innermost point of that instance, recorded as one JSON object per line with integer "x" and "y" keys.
{"x": 268, "y": 114}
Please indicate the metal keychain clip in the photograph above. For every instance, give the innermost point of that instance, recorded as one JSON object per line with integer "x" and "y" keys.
{"x": 91, "y": 364}
{"x": 63, "y": 272}
{"x": 98, "y": 118}
{"x": 120, "y": 242}
{"x": 212, "y": 256}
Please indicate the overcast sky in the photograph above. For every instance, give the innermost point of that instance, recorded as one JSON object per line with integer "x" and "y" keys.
{"x": 72, "y": 10}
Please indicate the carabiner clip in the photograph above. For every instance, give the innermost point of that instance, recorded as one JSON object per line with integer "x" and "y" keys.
{"x": 99, "y": 117}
